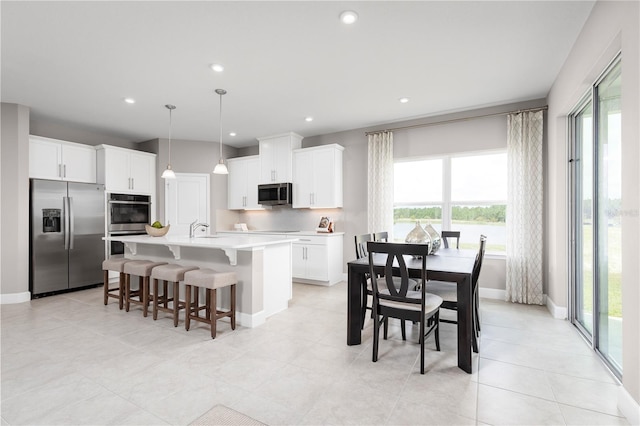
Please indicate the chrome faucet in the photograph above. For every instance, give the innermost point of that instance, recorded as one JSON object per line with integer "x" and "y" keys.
{"x": 194, "y": 226}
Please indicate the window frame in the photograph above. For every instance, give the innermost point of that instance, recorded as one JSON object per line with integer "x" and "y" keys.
{"x": 447, "y": 202}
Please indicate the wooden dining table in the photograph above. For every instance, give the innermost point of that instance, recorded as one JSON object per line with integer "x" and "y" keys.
{"x": 451, "y": 265}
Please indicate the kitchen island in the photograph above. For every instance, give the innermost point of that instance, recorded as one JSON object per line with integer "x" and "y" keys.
{"x": 262, "y": 264}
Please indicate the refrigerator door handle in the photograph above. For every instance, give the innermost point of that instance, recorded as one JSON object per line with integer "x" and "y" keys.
{"x": 65, "y": 221}
{"x": 71, "y": 223}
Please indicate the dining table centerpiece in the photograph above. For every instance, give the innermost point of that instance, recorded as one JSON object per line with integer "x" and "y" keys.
{"x": 418, "y": 235}
{"x": 436, "y": 240}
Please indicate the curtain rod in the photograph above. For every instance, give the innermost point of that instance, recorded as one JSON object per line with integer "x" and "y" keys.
{"x": 454, "y": 120}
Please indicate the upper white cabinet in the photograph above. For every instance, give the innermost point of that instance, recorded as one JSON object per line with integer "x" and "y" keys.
{"x": 242, "y": 189}
{"x": 317, "y": 177}
{"x": 61, "y": 160}
{"x": 276, "y": 155}
{"x": 126, "y": 170}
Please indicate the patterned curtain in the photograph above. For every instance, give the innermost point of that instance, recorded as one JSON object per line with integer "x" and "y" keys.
{"x": 524, "y": 208}
{"x": 380, "y": 179}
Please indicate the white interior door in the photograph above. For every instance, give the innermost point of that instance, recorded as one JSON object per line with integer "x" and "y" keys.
{"x": 186, "y": 199}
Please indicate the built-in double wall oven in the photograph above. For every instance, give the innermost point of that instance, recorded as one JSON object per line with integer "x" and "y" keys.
{"x": 127, "y": 214}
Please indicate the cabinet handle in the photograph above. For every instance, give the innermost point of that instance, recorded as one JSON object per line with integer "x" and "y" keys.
{"x": 64, "y": 171}
{"x": 132, "y": 185}
{"x": 60, "y": 170}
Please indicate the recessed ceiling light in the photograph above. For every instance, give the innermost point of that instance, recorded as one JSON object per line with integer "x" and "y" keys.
{"x": 308, "y": 119}
{"x": 130, "y": 100}
{"x": 217, "y": 67}
{"x": 232, "y": 133}
{"x": 348, "y": 17}
{"x": 403, "y": 100}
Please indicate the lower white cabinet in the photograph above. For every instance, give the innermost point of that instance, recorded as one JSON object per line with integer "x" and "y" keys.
{"x": 317, "y": 259}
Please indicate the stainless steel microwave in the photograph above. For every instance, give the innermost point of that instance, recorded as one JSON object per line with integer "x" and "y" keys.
{"x": 274, "y": 194}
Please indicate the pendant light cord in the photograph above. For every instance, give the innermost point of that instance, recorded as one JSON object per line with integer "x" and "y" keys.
{"x": 221, "y": 168}
{"x": 170, "y": 127}
{"x": 220, "y": 126}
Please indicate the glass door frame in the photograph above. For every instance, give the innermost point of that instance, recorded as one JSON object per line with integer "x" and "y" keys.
{"x": 575, "y": 238}
{"x": 575, "y": 250}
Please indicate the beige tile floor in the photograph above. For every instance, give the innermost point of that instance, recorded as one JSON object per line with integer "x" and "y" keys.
{"x": 68, "y": 359}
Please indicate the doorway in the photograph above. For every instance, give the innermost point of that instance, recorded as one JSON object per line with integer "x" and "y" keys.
{"x": 186, "y": 199}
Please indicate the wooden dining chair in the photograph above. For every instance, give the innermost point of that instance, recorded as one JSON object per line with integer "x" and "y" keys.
{"x": 361, "y": 252}
{"x": 390, "y": 301}
{"x": 445, "y": 235}
{"x": 381, "y": 236}
{"x": 361, "y": 245}
{"x": 449, "y": 293}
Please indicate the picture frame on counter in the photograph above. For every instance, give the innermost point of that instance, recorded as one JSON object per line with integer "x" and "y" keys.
{"x": 325, "y": 225}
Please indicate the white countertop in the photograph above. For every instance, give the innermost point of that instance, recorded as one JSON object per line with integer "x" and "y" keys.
{"x": 284, "y": 233}
{"x": 237, "y": 241}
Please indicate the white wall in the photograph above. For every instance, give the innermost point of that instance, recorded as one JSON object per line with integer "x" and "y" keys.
{"x": 476, "y": 134}
{"x": 189, "y": 156}
{"x": 611, "y": 27}
{"x": 55, "y": 130}
{"x": 14, "y": 192}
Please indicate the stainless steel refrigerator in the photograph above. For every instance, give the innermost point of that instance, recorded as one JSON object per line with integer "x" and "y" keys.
{"x": 67, "y": 226}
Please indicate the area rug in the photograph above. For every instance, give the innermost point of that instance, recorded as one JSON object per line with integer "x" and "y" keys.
{"x": 221, "y": 415}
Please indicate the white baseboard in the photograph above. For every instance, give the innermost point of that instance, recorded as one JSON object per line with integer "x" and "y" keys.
{"x": 492, "y": 293}
{"x": 249, "y": 320}
{"x": 7, "y": 299}
{"x": 628, "y": 406}
{"x": 558, "y": 312}
{"x": 314, "y": 282}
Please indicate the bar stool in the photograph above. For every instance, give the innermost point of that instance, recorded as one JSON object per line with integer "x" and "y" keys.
{"x": 210, "y": 280}
{"x": 168, "y": 273}
{"x": 115, "y": 264}
{"x": 141, "y": 268}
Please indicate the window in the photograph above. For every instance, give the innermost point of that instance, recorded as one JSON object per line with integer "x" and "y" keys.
{"x": 465, "y": 193}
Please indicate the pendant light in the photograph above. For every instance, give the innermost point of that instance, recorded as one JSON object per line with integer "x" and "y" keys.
{"x": 168, "y": 173}
{"x": 221, "y": 168}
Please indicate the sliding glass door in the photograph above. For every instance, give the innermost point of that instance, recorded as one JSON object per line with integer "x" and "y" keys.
{"x": 583, "y": 159}
{"x": 596, "y": 252}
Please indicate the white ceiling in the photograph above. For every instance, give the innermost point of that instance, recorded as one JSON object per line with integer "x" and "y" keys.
{"x": 73, "y": 63}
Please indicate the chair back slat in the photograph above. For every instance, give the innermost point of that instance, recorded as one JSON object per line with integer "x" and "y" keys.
{"x": 445, "y": 235}
{"x": 395, "y": 265}
{"x": 381, "y": 236}
{"x": 477, "y": 266}
{"x": 361, "y": 245}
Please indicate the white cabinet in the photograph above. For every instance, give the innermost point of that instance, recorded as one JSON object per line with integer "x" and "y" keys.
{"x": 242, "y": 185}
{"x": 61, "y": 160}
{"x": 126, "y": 170}
{"x": 317, "y": 177}
{"x": 276, "y": 155}
{"x": 317, "y": 259}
